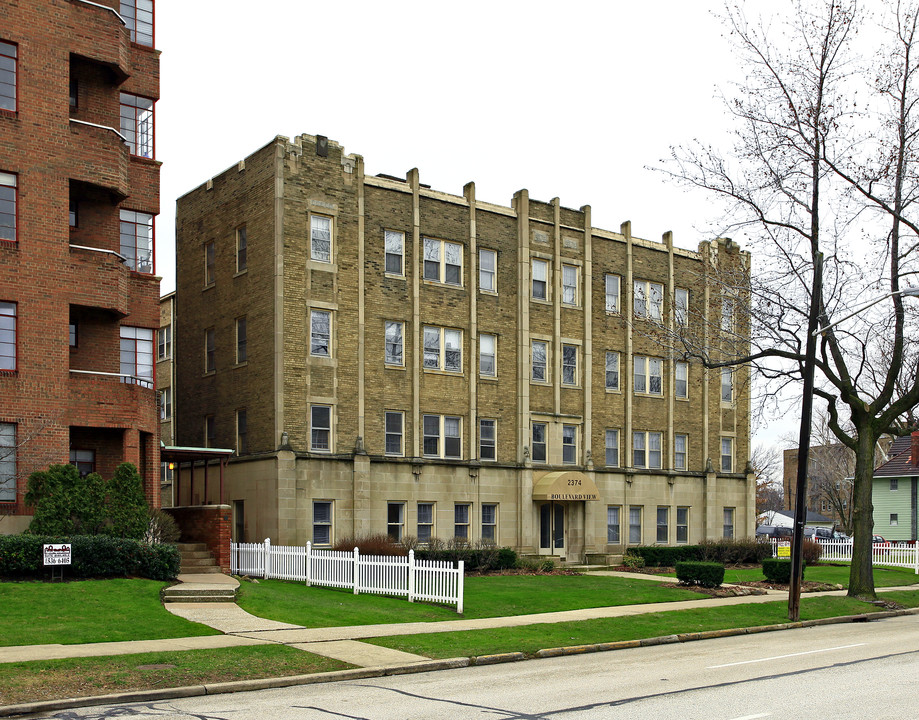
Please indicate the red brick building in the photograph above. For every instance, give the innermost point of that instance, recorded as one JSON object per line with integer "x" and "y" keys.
{"x": 79, "y": 190}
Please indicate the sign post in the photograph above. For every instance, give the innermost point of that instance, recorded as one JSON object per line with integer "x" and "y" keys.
{"x": 56, "y": 556}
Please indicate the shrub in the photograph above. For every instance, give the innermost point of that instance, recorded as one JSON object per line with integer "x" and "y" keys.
{"x": 125, "y": 504}
{"x": 664, "y": 555}
{"x": 161, "y": 528}
{"x": 812, "y": 552}
{"x": 633, "y": 560}
{"x": 778, "y": 570}
{"x": 706, "y": 574}
{"x": 371, "y": 545}
{"x": 93, "y": 556}
{"x": 730, "y": 551}
{"x": 482, "y": 556}
{"x": 65, "y": 503}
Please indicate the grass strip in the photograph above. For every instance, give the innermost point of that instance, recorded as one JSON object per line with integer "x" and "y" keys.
{"x": 80, "y": 677}
{"x": 531, "y": 638}
{"x": 38, "y": 613}
{"x": 485, "y": 596}
{"x": 832, "y": 574}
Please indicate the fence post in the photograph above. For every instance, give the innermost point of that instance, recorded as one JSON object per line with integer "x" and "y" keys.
{"x": 309, "y": 563}
{"x": 356, "y": 569}
{"x": 411, "y": 576}
{"x": 267, "y": 548}
{"x": 916, "y": 549}
{"x": 459, "y": 589}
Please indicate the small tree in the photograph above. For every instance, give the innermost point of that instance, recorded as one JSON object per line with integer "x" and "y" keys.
{"x": 65, "y": 503}
{"x": 126, "y": 505}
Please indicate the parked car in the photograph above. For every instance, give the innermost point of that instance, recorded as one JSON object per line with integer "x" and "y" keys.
{"x": 774, "y": 532}
{"x": 877, "y": 539}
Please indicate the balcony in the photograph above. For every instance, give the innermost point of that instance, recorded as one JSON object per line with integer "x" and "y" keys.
{"x": 99, "y": 156}
{"x": 99, "y": 279}
{"x": 101, "y": 399}
{"x": 99, "y": 35}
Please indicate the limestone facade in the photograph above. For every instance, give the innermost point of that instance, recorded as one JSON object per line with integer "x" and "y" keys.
{"x": 385, "y": 357}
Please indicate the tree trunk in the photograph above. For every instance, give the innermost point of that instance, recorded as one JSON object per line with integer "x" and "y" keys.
{"x": 861, "y": 574}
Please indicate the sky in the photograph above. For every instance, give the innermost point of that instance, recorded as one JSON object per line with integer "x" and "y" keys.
{"x": 572, "y": 100}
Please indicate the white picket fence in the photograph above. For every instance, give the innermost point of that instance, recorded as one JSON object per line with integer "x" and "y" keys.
{"x": 887, "y": 553}
{"x": 435, "y": 581}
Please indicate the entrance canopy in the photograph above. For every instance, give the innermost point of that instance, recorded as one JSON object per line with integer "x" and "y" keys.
{"x": 565, "y": 485}
{"x": 176, "y": 456}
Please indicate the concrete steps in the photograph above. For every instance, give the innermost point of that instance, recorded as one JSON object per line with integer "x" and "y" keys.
{"x": 194, "y": 593}
{"x": 196, "y": 559}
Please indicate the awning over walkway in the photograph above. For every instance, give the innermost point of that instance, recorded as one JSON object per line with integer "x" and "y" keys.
{"x": 565, "y": 485}
{"x": 177, "y": 455}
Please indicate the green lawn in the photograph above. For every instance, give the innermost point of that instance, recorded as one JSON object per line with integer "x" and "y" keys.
{"x": 485, "y": 596}
{"x": 529, "y": 639}
{"x": 38, "y": 613}
{"x": 833, "y": 574}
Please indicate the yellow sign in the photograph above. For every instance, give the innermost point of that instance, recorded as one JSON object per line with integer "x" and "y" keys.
{"x": 783, "y": 550}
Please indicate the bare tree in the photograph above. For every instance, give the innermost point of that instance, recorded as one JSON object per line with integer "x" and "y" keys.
{"x": 767, "y": 464}
{"x": 823, "y": 179}
{"x": 13, "y": 446}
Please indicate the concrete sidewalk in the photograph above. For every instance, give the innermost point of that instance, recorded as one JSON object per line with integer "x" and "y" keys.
{"x": 240, "y": 628}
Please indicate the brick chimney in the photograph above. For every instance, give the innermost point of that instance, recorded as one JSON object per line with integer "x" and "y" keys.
{"x": 914, "y": 449}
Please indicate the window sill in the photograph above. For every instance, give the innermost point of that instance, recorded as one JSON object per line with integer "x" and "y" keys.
{"x": 209, "y": 286}
{"x": 446, "y": 373}
{"x": 659, "y": 396}
{"x": 612, "y": 313}
{"x": 321, "y": 265}
{"x": 682, "y": 399}
{"x": 492, "y": 293}
{"x": 438, "y": 283}
{"x": 566, "y": 386}
{"x": 209, "y": 373}
{"x": 8, "y": 373}
{"x": 613, "y": 391}
{"x": 541, "y": 301}
{"x": 393, "y": 366}
{"x": 9, "y": 244}
{"x": 394, "y": 276}
{"x": 489, "y": 378}
{"x": 240, "y": 273}
{"x": 242, "y": 364}
{"x": 11, "y": 114}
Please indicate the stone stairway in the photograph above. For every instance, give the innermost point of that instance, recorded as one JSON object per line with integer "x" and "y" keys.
{"x": 196, "y": 559}
{"x": 200, "y": 580}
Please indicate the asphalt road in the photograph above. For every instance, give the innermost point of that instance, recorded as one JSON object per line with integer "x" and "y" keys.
{"x": 858, "y": 671}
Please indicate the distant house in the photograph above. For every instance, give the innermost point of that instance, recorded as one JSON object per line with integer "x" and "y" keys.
{"x": 786, "y": 518}
{"x": 894, "y": 490}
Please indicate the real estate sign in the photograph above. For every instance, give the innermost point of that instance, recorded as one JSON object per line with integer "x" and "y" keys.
{"x": 783, "y": 550}
{"x": 57, "y": 554}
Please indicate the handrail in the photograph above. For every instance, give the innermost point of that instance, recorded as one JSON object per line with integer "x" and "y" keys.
{"x": 101, "y": 127}
{"x": 138, "y": 380}
{"x": 105, "y": 7}
{"x": 99, "y": 250}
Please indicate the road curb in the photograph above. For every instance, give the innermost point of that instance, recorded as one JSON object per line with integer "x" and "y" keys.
{"x": 424, "y": 666}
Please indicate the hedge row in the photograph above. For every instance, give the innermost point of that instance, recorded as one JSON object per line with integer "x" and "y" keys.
{"x": 92, "y": 556}
{"x": 726, "y": 551}
{"x": 706, "y": 574}
{"x": 778, "y": 570}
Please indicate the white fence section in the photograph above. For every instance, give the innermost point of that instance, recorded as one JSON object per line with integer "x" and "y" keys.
{"x": 435, "y": 581}
{"x": 886, "y": 553}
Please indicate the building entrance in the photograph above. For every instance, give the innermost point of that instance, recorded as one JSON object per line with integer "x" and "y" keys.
{"x": 552, "y": 529}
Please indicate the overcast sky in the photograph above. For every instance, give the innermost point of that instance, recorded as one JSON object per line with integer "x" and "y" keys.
{"x": 567, "y": 99}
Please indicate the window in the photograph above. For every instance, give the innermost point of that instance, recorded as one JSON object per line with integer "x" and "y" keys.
{"x": 320, "y": 332}
{"x": 461, "y": 520}
{"x": 489, "y": 522}
{"x": 612, "y": 448}
{"x": 681, "y": 307}
{"x": 663, "y": 524}
{"x": 635, "y": 524}
{"x": 612, "y": 370}
{"x": 73, "y": 213}
{"x": 569, "y": 285}
{"x": 393, "y": 343}
{"x": 393, "y": 243}
{"x": 320, "y": 428}
{"x": 210, "y": 258}
{"x": 488, "y": 265}
{"x": 727, "y": 314}
{"x": 425, "y": 522}
{"x": 72, "y": 332}
{"x": 539, "y": 442}
{"x": 728, "y": 522}
{"x": 137, "y": 124}
{"x": 680, "y": 449}
{"x": 681, "y": 380}
{"x": 242, "y": 249}
{"x": 8, "y": 184}
{"x": 569, "y": 444}
{"x": 137, "y": 240}
{"x": 648, "y": 375}
{"x": 569, "y": 365}
{"x": 649, "y": 300}
{"x": 487, "y": 446}
{"x": 727, "y": 384}
{"x": 682, "y": 524}
{"x": 612, "y": 524}
{"x": 894, "y": 519}
{"x": 137, "y": 355}
{"x": 441, "y": 431}
{"x": 894, "y": 483}
{"x": 540, "y": 279}
{"x": 443, "y": 261}
{"x": 163, "y": 342}
{"x": 165, "y": 403}
{"x": 443, "y": 349}
{"x": 210, "y": 353}
{"x": 74, "y": 92}
{"x": 7, "y": 462}
{"x": 395, "y": 520}
{"x": 7, "y": 336}
{"x": 138, "y": 16}
{"x": 321, "y": 238}
{"x": 727, "y": 454}
{"x": 540, "y": 352}
{"x": 646, "y": 449}
{"x": 85, "y": 461}
{"x": 241, "y": 351}
{"x": 210, "y": 431}
{"x": 242, "y": 432}
{"x": 393, "y": 431}
{"x": 322, "y": 522}
{"x": 612, "y": 293}
{"x": 166, "y": 473}
{"x": 8, "y": 60}
{"x": 487, "y": 365}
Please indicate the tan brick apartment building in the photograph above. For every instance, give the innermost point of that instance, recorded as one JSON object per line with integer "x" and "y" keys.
{"x": 385, "y": 357}
{"x": 79, "y": 189}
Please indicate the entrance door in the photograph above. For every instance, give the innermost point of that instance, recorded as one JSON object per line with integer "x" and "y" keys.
{"x": 552, "y": 529}
{"x": 239, "y": 516}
